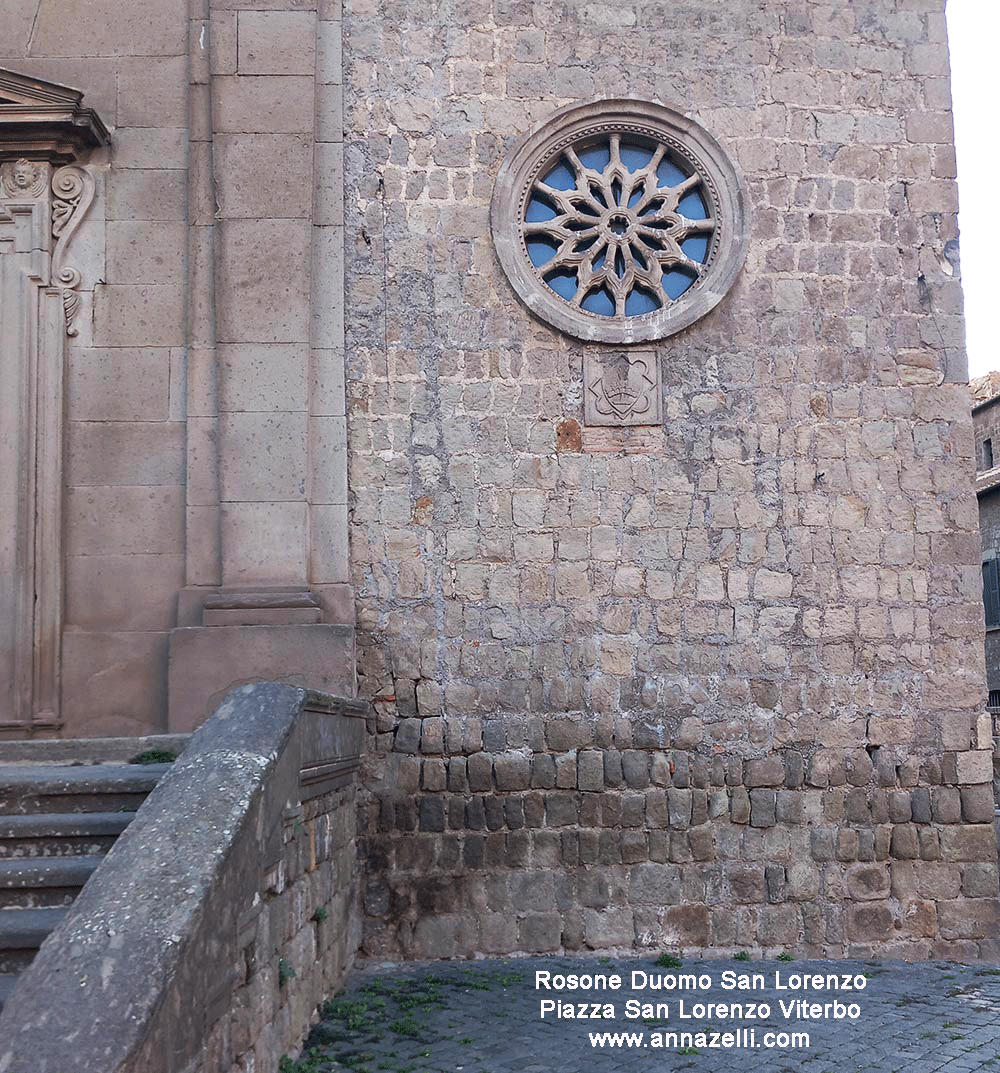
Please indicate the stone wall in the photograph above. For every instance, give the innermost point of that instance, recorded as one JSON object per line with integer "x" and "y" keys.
{"x": 986, "y": 426}
{"x": 989, "y": 527}
{"x": 717, "y": 683}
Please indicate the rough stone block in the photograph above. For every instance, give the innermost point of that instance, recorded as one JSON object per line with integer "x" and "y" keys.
{"x": 790, "y": 807}
{"x": 701, "y": 842}
{"x": 868, "y": 882}
{"x": 543, "y": 772}
{"x": 969, "y": 918}
{"x": 774, "y": 879}
{"x": 608, "y": 928}
{"x": 434, "y": 778}
{"x": 920, "y": 804}
{"x": 635, "y": 847}
{"x": 769, "y": 771}
{"x": 802, "y": 882}
{"x": 687, "y": 925}
{"x": 561, "y": 809}
{"x": 739, "y": 805}
{"x": 480, "y": 771}
{"x": 512, "y": 771}
{"x": 540, "y": 932}
{"x": 904, "y": 844}
{"x": 968, "y": 843}
{"x": 870, "y": 922}
{"x": 679, "y": 808}
{"x": 635, "y": 768}
{"x": 747, "y": 884}
{"x": 946, "y": 803}
{"x": 590, "y": 770}
{"x": 763, "y": 804}
{"x": 778, "y": 925}
{"x": 655, "y": 884}
{"x": 974, "y": 766}
{"x": 977, "y": 804}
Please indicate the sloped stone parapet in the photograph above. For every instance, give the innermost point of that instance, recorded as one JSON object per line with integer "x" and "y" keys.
{"x": 224, "y": 913}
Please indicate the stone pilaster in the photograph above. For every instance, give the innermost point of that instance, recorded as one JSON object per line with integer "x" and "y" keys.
{"x": 267, "y": 592}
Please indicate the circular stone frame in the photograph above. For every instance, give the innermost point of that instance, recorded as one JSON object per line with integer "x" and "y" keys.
{"x": 535, "y": 154}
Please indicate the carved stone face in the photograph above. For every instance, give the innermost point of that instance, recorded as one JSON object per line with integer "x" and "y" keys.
{"x": 24, "y": 175}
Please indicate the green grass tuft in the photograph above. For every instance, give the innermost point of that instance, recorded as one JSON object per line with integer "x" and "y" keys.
{"x": 154, "y": 756}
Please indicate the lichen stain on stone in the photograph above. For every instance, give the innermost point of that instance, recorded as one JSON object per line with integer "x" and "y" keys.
{"x": 569, "y": 436}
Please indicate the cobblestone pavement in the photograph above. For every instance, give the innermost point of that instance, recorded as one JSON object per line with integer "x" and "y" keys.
{"x": 484, "y": 1017}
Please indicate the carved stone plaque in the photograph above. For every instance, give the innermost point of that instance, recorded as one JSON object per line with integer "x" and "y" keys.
{"x": 621, "y": 388}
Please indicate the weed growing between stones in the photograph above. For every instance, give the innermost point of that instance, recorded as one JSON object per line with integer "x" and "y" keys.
{"x": 668, "y": 961}
{"x": 351, "y": 1027}
{"x": 154, "y": 756}
{"x": 741, "y": 956}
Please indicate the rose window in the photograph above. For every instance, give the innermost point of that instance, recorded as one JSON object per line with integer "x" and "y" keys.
{"x": 619, "y": 221}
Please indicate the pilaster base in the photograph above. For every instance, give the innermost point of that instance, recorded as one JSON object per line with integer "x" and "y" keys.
{"x": 207, "y": 661}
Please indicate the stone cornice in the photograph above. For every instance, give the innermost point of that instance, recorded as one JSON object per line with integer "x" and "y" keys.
{"x": 44, "y": 121}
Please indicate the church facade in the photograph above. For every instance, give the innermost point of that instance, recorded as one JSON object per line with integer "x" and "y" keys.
{"x": 582, "y": 384}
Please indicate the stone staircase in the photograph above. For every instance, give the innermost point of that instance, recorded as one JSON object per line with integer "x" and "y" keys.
{"x": 59, "y": 816}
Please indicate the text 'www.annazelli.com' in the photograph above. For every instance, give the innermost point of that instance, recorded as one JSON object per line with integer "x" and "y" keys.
{"x": 693, "y": 1042}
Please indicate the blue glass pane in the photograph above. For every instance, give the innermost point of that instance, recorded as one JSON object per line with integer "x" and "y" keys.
{"x": 692, "y": 206}
{"x": 597, "y": 157}
{"x": 639, "y": 302}
{"x": 634, "y": 157}
{"x": 560, "y": 178}
{"x": 541, "y": 251}
{"x": 599, "y": 302}
{"x": 563, "y": 283}
{"x": 696, "y": 247}
{"x": 539, "y": 210}
{"x": 668, "y": 173}
{"x": 676, "y": 282}
{"x": 599, "y": 259}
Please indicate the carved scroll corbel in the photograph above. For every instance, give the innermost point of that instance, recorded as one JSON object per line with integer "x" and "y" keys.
{"x": 73, "y": 192}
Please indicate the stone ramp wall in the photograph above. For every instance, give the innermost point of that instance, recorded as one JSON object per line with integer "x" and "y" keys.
{"x": 201, "y": 944}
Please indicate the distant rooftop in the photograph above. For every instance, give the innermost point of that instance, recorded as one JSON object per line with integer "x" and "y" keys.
{"x": 984, "y": 388}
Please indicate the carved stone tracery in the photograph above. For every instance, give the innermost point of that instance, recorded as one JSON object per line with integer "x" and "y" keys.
{"x": 619, "y": 221}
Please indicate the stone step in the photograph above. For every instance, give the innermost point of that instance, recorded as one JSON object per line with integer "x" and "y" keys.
{"x": 7, "y": 980}
{"x": 88, "y": 750}
{"x": 39, "y": 788}
{"x": 22, "y": 932}
{"x": 33, "y": 882}
{"x": 60, "y": 834}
